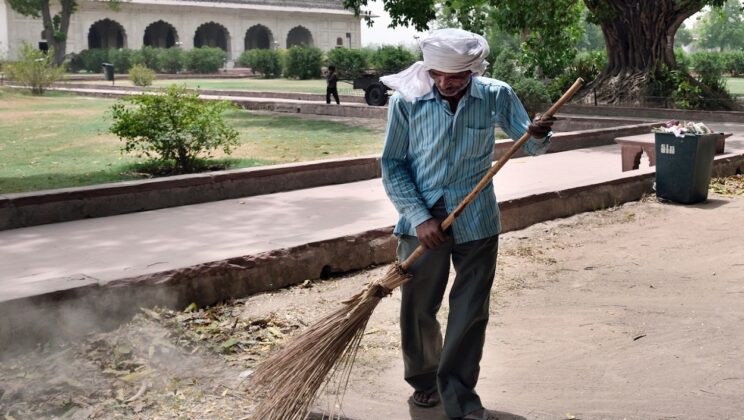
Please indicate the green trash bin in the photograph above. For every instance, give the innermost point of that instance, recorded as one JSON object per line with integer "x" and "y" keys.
{"x": 684, "y": 166}
{"x": 108, "y": 71}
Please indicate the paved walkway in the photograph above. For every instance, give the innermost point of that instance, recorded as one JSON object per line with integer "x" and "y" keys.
{"x": 140, "y": 243}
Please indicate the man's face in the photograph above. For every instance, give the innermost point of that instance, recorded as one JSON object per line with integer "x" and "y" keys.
{"x": 450, "y": 84}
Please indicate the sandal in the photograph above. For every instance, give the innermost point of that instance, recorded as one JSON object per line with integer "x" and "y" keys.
{"x": 425, "y": 399}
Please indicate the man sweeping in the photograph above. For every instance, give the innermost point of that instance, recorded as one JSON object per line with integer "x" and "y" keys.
{"x": 439, "y": 144}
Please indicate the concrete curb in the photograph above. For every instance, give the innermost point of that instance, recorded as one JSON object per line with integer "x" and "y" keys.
{"x": 657, "y": 113}
{"x": 355, "y": 110}
{"x": 61, "y": 205}
{"x": 82, "y": 304}
{"x": 65, "y": 204}
{"x": 68, "y": 311}
{"x": 572, "y": 140}
{"x": 298, "y": 96}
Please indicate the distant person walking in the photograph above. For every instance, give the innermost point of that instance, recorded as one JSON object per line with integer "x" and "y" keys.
{"x": 331, "y": 79}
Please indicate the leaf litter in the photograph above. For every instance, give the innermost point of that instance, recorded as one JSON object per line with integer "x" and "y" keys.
{"x": 162, "y": 364}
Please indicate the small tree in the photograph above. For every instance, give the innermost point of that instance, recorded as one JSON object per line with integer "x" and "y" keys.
{"x": 266, "y": 62}
{"x": 303, "y": 62}
{"x": 390, "y": 59}
{"x": 205, "y": 59}
{"x": 350, "y": 63}
{"x": 172, "y": 60}
{"x": 35, "y": 69}
{"x": 93, "y": 58}
{"x": 173, "y": 127}
{"x": 121, "y": 59}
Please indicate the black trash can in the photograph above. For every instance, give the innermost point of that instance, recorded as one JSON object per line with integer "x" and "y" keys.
{"x": 684, "y": 166}
{"x": 108, "y": 71}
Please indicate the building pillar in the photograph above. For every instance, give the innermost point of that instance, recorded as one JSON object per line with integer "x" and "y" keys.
{"x": 4, "y": 24}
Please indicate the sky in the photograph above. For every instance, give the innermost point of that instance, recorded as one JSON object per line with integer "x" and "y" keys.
{"x": 380, "y": 34}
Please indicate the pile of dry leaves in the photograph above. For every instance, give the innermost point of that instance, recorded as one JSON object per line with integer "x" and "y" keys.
{"x": 163, "y": 363}
{"x": 728, "y": 186}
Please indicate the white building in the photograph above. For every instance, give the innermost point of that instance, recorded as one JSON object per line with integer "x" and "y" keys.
{"x": 233, "y": 25}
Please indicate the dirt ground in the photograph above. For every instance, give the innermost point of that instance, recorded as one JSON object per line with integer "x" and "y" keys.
{"x": 629, "y": 313}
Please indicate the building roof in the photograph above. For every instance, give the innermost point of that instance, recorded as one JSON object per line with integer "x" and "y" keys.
{"x": 309, "y": 4}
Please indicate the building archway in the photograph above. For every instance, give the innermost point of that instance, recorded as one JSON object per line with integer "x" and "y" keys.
{"x": 299, "y": 35}
{"x": 107, "y": 33}
{"x": 160, "y": 34}
{"x": 212, "y": 35}
{"x": 258, "y": 37}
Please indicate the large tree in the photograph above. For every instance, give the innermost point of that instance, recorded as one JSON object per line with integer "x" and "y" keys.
{"x": 55, "y": 26}
{"x": 639, "y": 37}
{"x": 640, "y": 43}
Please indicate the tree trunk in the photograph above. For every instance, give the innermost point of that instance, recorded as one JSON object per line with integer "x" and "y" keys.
{"x": 60, "y": 46}
{"x": 57, "y": 37}
{"x": 639, "y": 37}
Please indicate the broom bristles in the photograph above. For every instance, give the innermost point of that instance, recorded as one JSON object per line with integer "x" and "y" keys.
{"x": 291, "y": 379}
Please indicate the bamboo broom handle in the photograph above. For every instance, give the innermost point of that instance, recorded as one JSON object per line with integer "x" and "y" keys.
{"x": 405, "y": 265}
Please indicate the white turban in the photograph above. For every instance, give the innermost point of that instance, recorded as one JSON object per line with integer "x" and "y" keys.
{"x": 447, "y": 50}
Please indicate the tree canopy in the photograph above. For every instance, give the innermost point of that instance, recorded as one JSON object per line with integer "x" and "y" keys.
{"x": 55, "y": 27}
{"x": 639, "y": 35}
{"x": 722, "y": 27}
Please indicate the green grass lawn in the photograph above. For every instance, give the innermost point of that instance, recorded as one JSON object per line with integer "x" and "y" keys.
{"x": 59, "y": 140}
{"x": 735, "y": 85}
{"x": 250, "y": 84}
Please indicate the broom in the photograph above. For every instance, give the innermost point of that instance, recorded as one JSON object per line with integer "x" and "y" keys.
{"x": 291, "y": 379}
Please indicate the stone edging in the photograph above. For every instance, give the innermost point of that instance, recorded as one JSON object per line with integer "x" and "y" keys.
{"x": 660, "y": 113}
{"x": 572, "y": 140}
{"x": 299, "y": 96}
{"x": 60, "y": 205}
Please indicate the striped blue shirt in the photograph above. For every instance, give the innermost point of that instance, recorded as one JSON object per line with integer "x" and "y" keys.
{"x": 432, "y": 153}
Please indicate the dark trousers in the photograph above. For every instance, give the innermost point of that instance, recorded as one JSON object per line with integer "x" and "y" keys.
{"x": 332, "y": 91}
{"x": 453, "y": 364}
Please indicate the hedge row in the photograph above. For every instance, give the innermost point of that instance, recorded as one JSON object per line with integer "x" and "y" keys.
{"x": 728, "y": 62}
{"x": 306, "y": 62}
{"x": 162, "y": 60}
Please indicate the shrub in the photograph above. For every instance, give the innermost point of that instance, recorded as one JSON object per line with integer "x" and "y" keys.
{"x": 709, "y": 69}
{"x": 141, "y": 75}
{"x": 587, "y": 65}
{"x": 266, "y": 62}
{"x": 121, "y": 59}
{"x": 682, "y": 59}
{"x": 151, "y": 57}
{"x": 390, "y": 59}
{"x": 174, "y": 127}
{"x": 533, "y": 94}
{"x": 505, "y": 67}
{"x": 93, "y": 58}
{"x": 35, "y": 69}
{"x": 674, "y": 84}
{"x": 303, "y": 62}
{"x": 172, "y": 60}
{"x": 686, "y": 95}
{"x": 74, "y": 63}
{"x": 205, "y": 59}
{"x": 733, "y": 62}
{"x": 350, "y": 63}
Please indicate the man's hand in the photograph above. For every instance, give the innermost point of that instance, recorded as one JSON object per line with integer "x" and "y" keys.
{"x": 540, "y": 127}
{"x": 430, "y": 234}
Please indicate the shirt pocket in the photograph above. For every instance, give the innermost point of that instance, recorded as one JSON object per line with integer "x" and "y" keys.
{"x": 478, "y": 142}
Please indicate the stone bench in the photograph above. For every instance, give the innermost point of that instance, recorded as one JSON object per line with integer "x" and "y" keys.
{"x": 632, "y": 147}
